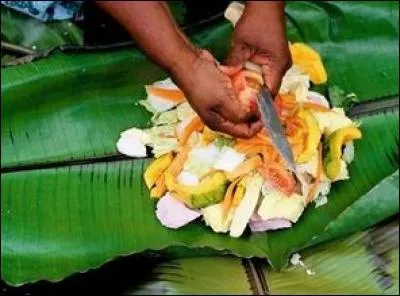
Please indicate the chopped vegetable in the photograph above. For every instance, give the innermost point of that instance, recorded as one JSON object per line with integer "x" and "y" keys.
{"x": 259, "y": 225}
{"x": 221, "y": 141}
{"x": 229, "y": 159}
{"x": 313, "y": 136}
{"x": 333, "y": 163}
{"x": 209, "y": 191}
{"x": 209, "y": 136}
{"x": 247, "y": 206}
{"x": 329, "y": 122}
{"x": 228, "y": 198}
{"x": 188, "y": 178}
{"x": 173, "y": 213}
{"x": 295, "y": 82}
{"x": 156, "y": 169}
{"x": 279, "y": 177}
{"x": 214, "y": 217}
{"x": 173, "y": 95}
{"x": 194, "y": 125}
{"x": 159, "y": 189}
{"x": 348, "y": 152}
{"x": 169, "y": 117}
{"x": 310, "y": 61}
{"x": 202, "y": 159}
{"x": 246, "y": 167}
{"x": 340, "y": 99}
{"x": 223, "y": 177}
{"x": 313, "y": 190}
{"x": 277, "y": 205}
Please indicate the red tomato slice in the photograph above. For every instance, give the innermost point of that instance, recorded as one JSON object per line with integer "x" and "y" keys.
{"x": 279, "y": 177}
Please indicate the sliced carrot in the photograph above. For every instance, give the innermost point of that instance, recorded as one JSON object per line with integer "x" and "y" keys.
{"x": 160, "y": 188}
{"x": 259, "y": 139}
{"x": 226, "y": 203}
{"x": 311, "y": 193}
{"x": 279, "y": 177}
{"x": 246, "y": 167}
{"x": 288, "y": 100}
{"x": 263, "y": 136}
{"x": 194, "y": 126}
{"x": 249, "y": 149}
{"x": 315, "y": 107}
{"x": 252, "y": 141}
{"x": 177, "y": 164}
{"x": 174, "y": 95}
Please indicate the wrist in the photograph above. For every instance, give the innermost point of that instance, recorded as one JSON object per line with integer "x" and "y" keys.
{"x": 274, "y": 5}
{"x": 184, "y": 58}
{"x": 266, "y": 11}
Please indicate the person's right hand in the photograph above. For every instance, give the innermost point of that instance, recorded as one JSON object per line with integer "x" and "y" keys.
{"x": 210, "y": 93}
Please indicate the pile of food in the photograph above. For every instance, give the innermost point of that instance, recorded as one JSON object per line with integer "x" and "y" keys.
{"x": 232, "y": 183}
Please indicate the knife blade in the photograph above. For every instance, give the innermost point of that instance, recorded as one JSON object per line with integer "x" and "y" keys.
{"x": 273, "y": 125}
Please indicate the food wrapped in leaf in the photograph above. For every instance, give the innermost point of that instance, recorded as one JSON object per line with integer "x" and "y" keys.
{"x": 234, "y": 184}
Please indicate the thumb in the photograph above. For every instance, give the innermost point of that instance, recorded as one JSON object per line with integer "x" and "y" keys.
{"x": 272, "y": 78}
{"x": 239, "y": 54}
{"x": 232, "y": 109}
{"x": 205, "y": 54}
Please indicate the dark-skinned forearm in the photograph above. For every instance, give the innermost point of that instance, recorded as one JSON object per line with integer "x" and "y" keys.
{"x": 272, "y": 12}
{"x": 152, "y": 26}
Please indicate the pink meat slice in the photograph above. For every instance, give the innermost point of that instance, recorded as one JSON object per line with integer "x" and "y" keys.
{"x": 173, "y": 213}
{"x": 259, "y": 225}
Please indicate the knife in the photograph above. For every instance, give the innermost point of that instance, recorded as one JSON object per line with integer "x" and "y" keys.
{"x": 273, "y": 125}
{"x": 266, "y": 106}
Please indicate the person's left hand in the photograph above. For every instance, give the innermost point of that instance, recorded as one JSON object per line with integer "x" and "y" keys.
{"x": 260, "y": 37}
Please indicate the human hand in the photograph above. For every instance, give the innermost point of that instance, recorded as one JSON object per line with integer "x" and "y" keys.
{"x": 210, "y": 93}
{"x": 260, "y": 37}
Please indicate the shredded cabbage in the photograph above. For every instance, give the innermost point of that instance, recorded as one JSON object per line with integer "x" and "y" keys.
{"x": 348, "y": 152}
{"x": 168, "y": 117}
{"x": 202, "y": 159}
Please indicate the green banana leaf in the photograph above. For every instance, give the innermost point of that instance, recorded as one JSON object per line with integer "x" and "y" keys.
{"x": 365, "y": 263}
{"x": 70, "y": 203}
{"x": 102, "y": 210}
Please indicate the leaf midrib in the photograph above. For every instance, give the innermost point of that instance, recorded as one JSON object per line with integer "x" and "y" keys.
{"x": 369, "y": 108}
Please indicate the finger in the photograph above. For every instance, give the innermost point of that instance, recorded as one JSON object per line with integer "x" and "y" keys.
{"x": 260, "y": 59}
{"x": 230, "y": 70}
{"x": 232, "y": 109}
{"x": 239, "y": 54}
{"x": 240, "y": 130}
{"x": 272, "y": 78}
{"x": 205, "y": 54}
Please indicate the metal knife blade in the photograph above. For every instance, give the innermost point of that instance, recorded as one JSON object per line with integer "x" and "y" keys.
{"x": 273, "y": 125}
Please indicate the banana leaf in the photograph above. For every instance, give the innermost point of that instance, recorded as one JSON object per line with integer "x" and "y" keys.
{"x": 70, "y": 203}
{"x": 365, "y": 263}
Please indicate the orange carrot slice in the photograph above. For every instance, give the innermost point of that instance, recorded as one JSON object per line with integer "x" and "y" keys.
{"x": 177, "y": 164}
{"x": 174, "y": 95}
{"x": 315, "y": 107}
{"x": 160, "y": 188}
{"x": 195, "y": 125}
{"x": 246, "y": 167}
{"x": 226, "y": 203}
